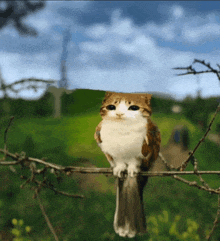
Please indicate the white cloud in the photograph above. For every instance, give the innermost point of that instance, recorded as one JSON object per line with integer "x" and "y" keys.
{"x": 96, "y": 48}
{"x": 28, "y": 66}
{"x": 120, "y": 27}
{"x": 97, "y": 31}
{"x": 39, "y": 23}
{"x": 181, "y": 28}
{"x": 177, "y": 11}
{"x": 154, "y": 71}
{"x": 114, "y": 80}
{"x": 201, "y": 33}
{"x": 165, "y": 31}
{"x": 136, "y": 61}
{"x": 44, "y": 20}
{"x": 140, "y": 46}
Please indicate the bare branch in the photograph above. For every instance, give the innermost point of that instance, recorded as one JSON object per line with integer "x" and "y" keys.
{"x": 205, "y": 184}
{"x": 51, "y": 187}
{"x": 196, "y": 72}
{"x": 46, "y": 217}
{"x": 69, "y": 170}
{"x": 195, "y": 184}
{"x": 67, "y": 194}
{"x": 216, "y": 220}
{"x": 168, "y": 166}
{"x": 31, "y": 81}
{"x": 208, "y": 66}
{"x": 72, "y": 169}
{"x": 5, "y": 135}
{"x": 184, "y": 164}
{"x": 191, "y": 70}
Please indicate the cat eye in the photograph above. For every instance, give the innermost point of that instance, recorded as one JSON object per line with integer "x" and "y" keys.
{"x": 133, "y": 107}
{"x": 111, "y": 107}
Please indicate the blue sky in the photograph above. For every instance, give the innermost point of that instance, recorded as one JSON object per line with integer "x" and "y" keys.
{"x": 118, "y": 46}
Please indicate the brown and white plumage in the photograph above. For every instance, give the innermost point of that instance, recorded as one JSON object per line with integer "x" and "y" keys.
{"x": 130, "y": 142}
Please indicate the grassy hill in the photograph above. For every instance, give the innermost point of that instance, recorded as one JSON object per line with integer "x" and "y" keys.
{"x": 82, "y": 101}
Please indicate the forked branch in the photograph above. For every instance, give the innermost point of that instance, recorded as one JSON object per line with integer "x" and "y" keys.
{"x": 191, "y": 70}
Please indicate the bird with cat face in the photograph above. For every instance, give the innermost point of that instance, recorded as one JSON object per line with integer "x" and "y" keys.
{"x": 131, "y": 143}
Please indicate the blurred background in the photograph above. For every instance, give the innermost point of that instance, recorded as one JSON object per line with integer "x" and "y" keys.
{"x": 57, "y": 59}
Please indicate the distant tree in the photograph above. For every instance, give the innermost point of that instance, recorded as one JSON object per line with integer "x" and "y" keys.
{"x": 14, "y": 12}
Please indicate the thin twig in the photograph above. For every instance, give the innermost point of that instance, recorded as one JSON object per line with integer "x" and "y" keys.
{"x": 191, "y": 70}
{"x": 215, "y": 221}
{"x": 195, "y": 184}
{"x": 70, "y": 169}
{"x": 194, "y": 172}
{"x": 31, "y": 79}
{"x": 32, "y": 84}
{"x": 66, "y": 194}
{"x": 184, "y": 164}
{"x": 5, "y": 134}
{"x": 205, "y": 184}
{"x": 208, "y": 66}
{"x": 73, "y": 169}
{"x": 46, "y": 217}
{"x": 197, "y": 72}
{"x": 168, "y": 166}
{"x": 44, "y": 184}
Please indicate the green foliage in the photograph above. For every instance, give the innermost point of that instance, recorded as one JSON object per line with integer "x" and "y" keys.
{"x": 162, "y": 228}
{"x": 216, "y": 124}
{"x": 198, "y": 110}
{"x": 161, "y": 105}
{"x": 23, "y": 233}
{"x": 167, "y": 123}
{"x": 20, "y": 232}
{"x": 82, "y": 101}
{"x": 85, "y": 100}
{"x": 28, "y": 108}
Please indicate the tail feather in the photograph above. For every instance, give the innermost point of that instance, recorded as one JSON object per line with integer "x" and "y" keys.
{"x": 129, "y": 217}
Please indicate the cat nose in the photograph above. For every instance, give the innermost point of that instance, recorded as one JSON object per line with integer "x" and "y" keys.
{"x": 120, "y": 114}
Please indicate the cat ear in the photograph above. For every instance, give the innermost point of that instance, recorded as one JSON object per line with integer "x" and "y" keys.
{"x": 147, "y": 98}
{"x": 108, "y": 94}
{"x": 147, "y": 101}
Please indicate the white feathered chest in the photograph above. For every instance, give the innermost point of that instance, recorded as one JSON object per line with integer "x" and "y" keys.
{"x": 123, "y": 140}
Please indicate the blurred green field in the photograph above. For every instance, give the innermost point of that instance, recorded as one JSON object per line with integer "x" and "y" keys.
{"x": 70, "y": 141}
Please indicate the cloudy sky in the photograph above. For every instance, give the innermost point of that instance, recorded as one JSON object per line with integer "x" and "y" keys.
{"x": 118, "y": 46}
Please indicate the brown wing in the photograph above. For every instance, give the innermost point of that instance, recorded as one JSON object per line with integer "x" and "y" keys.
{"x": 151, "y": 145}
{"x": 97, "y": 133}
{"x": 98, "y": 139}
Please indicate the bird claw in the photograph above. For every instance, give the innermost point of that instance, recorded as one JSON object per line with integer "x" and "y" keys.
{"x": 119, "y": 169}
{"x": 133, "y": 170}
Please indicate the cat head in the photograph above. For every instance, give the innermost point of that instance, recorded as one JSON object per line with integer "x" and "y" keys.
{"x": 125, "y": 106}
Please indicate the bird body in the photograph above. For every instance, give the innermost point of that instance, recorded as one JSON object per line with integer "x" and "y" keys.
{"x": 131, "y": 143}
